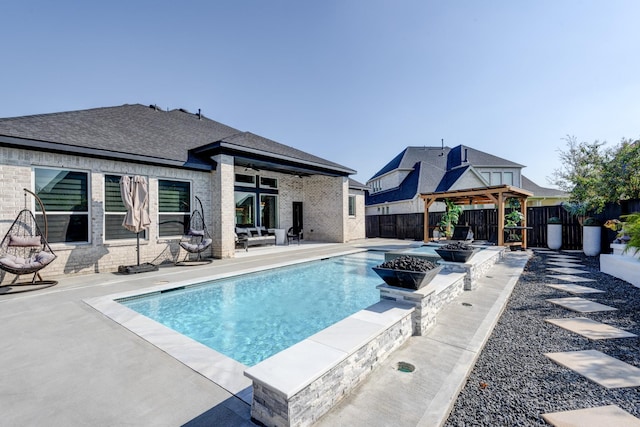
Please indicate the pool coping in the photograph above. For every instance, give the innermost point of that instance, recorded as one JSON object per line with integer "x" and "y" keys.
{"x": 220, "y": 369}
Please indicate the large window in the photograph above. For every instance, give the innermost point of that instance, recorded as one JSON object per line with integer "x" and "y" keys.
{"x": 352, "y": 205}
{"x": 114, "y": 211}
{"x": 174, "y": 207}
{"x": 507, "y": 178}
{"x": 245, "y": 208}
{"x": 65, "y": 195}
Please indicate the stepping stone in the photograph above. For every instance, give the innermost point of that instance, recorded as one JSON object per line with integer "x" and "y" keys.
{"x": 590, "y": 328}
{"x": 566, "y": 270}
{"x": 565, "y": 264}
{"x": 575, "y": 289}
{"x": 610, "y": 415}
{"x": 596, "y": 366}
{"x": 569, "y": 278}
{"x": 580, "y": 305}
{"x": 564, "y": 258}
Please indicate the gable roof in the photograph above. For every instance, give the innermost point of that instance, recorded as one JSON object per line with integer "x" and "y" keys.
{"x": 538, "y": 191}
{"x": 147, "y": 134}
{"x": 408, "y": 189}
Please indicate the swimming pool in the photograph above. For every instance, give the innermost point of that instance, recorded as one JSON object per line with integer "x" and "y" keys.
{"x": 253, "y": 316}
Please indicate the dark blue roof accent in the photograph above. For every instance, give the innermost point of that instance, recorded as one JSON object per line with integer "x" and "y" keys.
{"x": 392, "y": 165}
{"x": 450, "y": 177}
{"x": 454, "y": 158}
{"x": 406, "y": 190}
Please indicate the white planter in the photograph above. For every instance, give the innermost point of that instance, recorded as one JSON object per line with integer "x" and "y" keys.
{"x": 619, "y": 249}
{"x": 554, "y": 236}
{"x": 591, "y": 240}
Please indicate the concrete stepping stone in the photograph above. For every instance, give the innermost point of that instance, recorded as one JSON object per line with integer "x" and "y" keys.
{"x": 596, "y": 366}
{"x": 575, "y": 289}
{"x": 569, "y": 278}
{"x": 564, "y": 258}
{"x": 610, "y": 415}
{"x": 565, "y": 264}
{"x": 590, "y": 328}
{"x": 566, "y": 270}
{"x": 580, "y": 305}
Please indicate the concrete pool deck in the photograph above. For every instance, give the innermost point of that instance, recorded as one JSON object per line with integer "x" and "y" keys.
{"x": 67, "y": 364}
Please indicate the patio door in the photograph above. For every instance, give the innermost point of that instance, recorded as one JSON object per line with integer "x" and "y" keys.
{"x": 297, "y": 217}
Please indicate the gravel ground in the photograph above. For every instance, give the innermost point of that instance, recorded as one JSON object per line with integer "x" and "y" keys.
{"x": 513, "y": 383}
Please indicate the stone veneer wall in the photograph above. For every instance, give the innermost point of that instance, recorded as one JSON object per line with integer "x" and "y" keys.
{"x": 272, "y": 408}
{"x": 428, "y": 301}
{"x": 476, "y": 267}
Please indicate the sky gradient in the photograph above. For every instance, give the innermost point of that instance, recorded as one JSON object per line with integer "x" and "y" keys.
{"x": 354, "y": 82}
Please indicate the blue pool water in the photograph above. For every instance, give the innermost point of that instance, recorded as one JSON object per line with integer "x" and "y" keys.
{"x": 254, "y": 316}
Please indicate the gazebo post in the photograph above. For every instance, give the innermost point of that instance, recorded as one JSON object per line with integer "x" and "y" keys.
{"x": 501, "y": 200}
{"x": 425, "y": 233}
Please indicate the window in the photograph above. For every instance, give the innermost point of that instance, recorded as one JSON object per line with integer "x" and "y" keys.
{"x": 269, "y": 211}
{"x": 114, "y": 211}
{"x": 507, "y": 178}
{"x": 268, "y": 182}
{"x": 486, "y": 176}
{"x": 496, "y": 178}
{"x": 245, "y": 180}
{"x": 174, "y": 207}
{"x": 245, "y": 208}
{"x": 65, "y": 196}
{"x": 352, "y": 205}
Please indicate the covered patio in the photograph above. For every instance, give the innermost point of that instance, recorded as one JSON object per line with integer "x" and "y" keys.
{"x": 496, "y": 195}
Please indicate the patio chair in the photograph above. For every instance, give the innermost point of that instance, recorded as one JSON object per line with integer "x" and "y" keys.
{"x": 293, "y": 235}
{"x": 25, "y": 250}
{"x": 197, "y": 239}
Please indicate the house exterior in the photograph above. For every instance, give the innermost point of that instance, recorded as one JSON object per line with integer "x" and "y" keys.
{"x": 74, "y": 161}
{"x": 396, "y": 188}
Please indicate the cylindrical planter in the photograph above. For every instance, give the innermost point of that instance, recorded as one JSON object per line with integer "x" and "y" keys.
{"x": 591, "y": 240}
{"x": 554, "y": 236}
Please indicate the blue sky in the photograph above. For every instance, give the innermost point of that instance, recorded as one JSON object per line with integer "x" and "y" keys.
{"x": 354, "y": 82}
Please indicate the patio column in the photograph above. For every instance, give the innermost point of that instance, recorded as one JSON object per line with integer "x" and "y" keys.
{"x": 223, "y": 207}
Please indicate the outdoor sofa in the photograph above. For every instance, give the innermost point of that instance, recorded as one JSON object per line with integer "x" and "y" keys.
{"x": 254, "y": 236}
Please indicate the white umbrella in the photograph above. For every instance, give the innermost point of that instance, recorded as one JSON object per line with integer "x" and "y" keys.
{"x": 135, "y": 197}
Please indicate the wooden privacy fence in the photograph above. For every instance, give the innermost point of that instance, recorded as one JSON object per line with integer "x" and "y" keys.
{"x": 484, "y": 224}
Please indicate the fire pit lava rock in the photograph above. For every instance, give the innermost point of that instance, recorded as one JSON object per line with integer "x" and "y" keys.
{"x": 407, "y": 272}
{"x": 456, "y": 252}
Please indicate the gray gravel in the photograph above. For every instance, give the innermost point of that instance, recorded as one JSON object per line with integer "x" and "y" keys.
{"x": 513, "y": 383}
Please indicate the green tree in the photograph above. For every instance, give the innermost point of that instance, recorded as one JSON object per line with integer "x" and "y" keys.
{"x": 620, "y": 178}
{"x": 581, "y": 175}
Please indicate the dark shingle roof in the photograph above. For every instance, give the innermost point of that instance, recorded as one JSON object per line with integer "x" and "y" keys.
{"x": 412, "y": 155}
{"x": 538, "y": 191}
{"x": 144, "y": 132}
{"x": 477, "y": 158}
{"x": 407, "y": 189}
{"x": 449, "y": 179}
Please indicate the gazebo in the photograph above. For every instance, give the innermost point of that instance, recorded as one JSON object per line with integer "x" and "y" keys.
{"x": 496, "y": 195}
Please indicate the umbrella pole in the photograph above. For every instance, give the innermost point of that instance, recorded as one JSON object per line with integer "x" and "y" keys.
{"x": 138, "y": 246}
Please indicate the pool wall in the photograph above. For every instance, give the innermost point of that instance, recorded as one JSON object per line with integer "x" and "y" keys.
{"x": 300, "y": 384}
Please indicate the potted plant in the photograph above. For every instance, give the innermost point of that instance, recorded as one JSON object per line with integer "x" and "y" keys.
{"x": 554, "y": 233}
{"x": 407, "y": 272}
{"x": 512, "y": 222}
{"x": 450, "y": 218}
{"x": 632, "y": 230}
{"x": 591, "y": 231}
{"x": 456, "y": 252}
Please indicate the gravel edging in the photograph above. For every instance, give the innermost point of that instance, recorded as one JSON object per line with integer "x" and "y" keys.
{"x": 513, "y": 383}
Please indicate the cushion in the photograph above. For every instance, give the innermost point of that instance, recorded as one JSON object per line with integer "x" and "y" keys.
{"x": 193, "y": 232}
{"x": 26, "y": 241}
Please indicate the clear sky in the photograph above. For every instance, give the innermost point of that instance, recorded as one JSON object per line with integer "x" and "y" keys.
{"x": 352, "y": 81}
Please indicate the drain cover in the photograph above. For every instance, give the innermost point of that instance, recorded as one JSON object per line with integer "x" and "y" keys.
{"x": 406, "y": 367}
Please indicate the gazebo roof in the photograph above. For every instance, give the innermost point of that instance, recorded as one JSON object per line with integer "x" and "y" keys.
{"x": 478, "y": 196}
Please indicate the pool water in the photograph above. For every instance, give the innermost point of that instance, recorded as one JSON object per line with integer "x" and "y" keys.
{"x": 254, "y": 316}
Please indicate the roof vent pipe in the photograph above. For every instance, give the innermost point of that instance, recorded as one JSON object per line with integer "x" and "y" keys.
{"x": 465, "y": 156}
{"x": 442, "y": 152}
{"x": 199, "y": 115}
